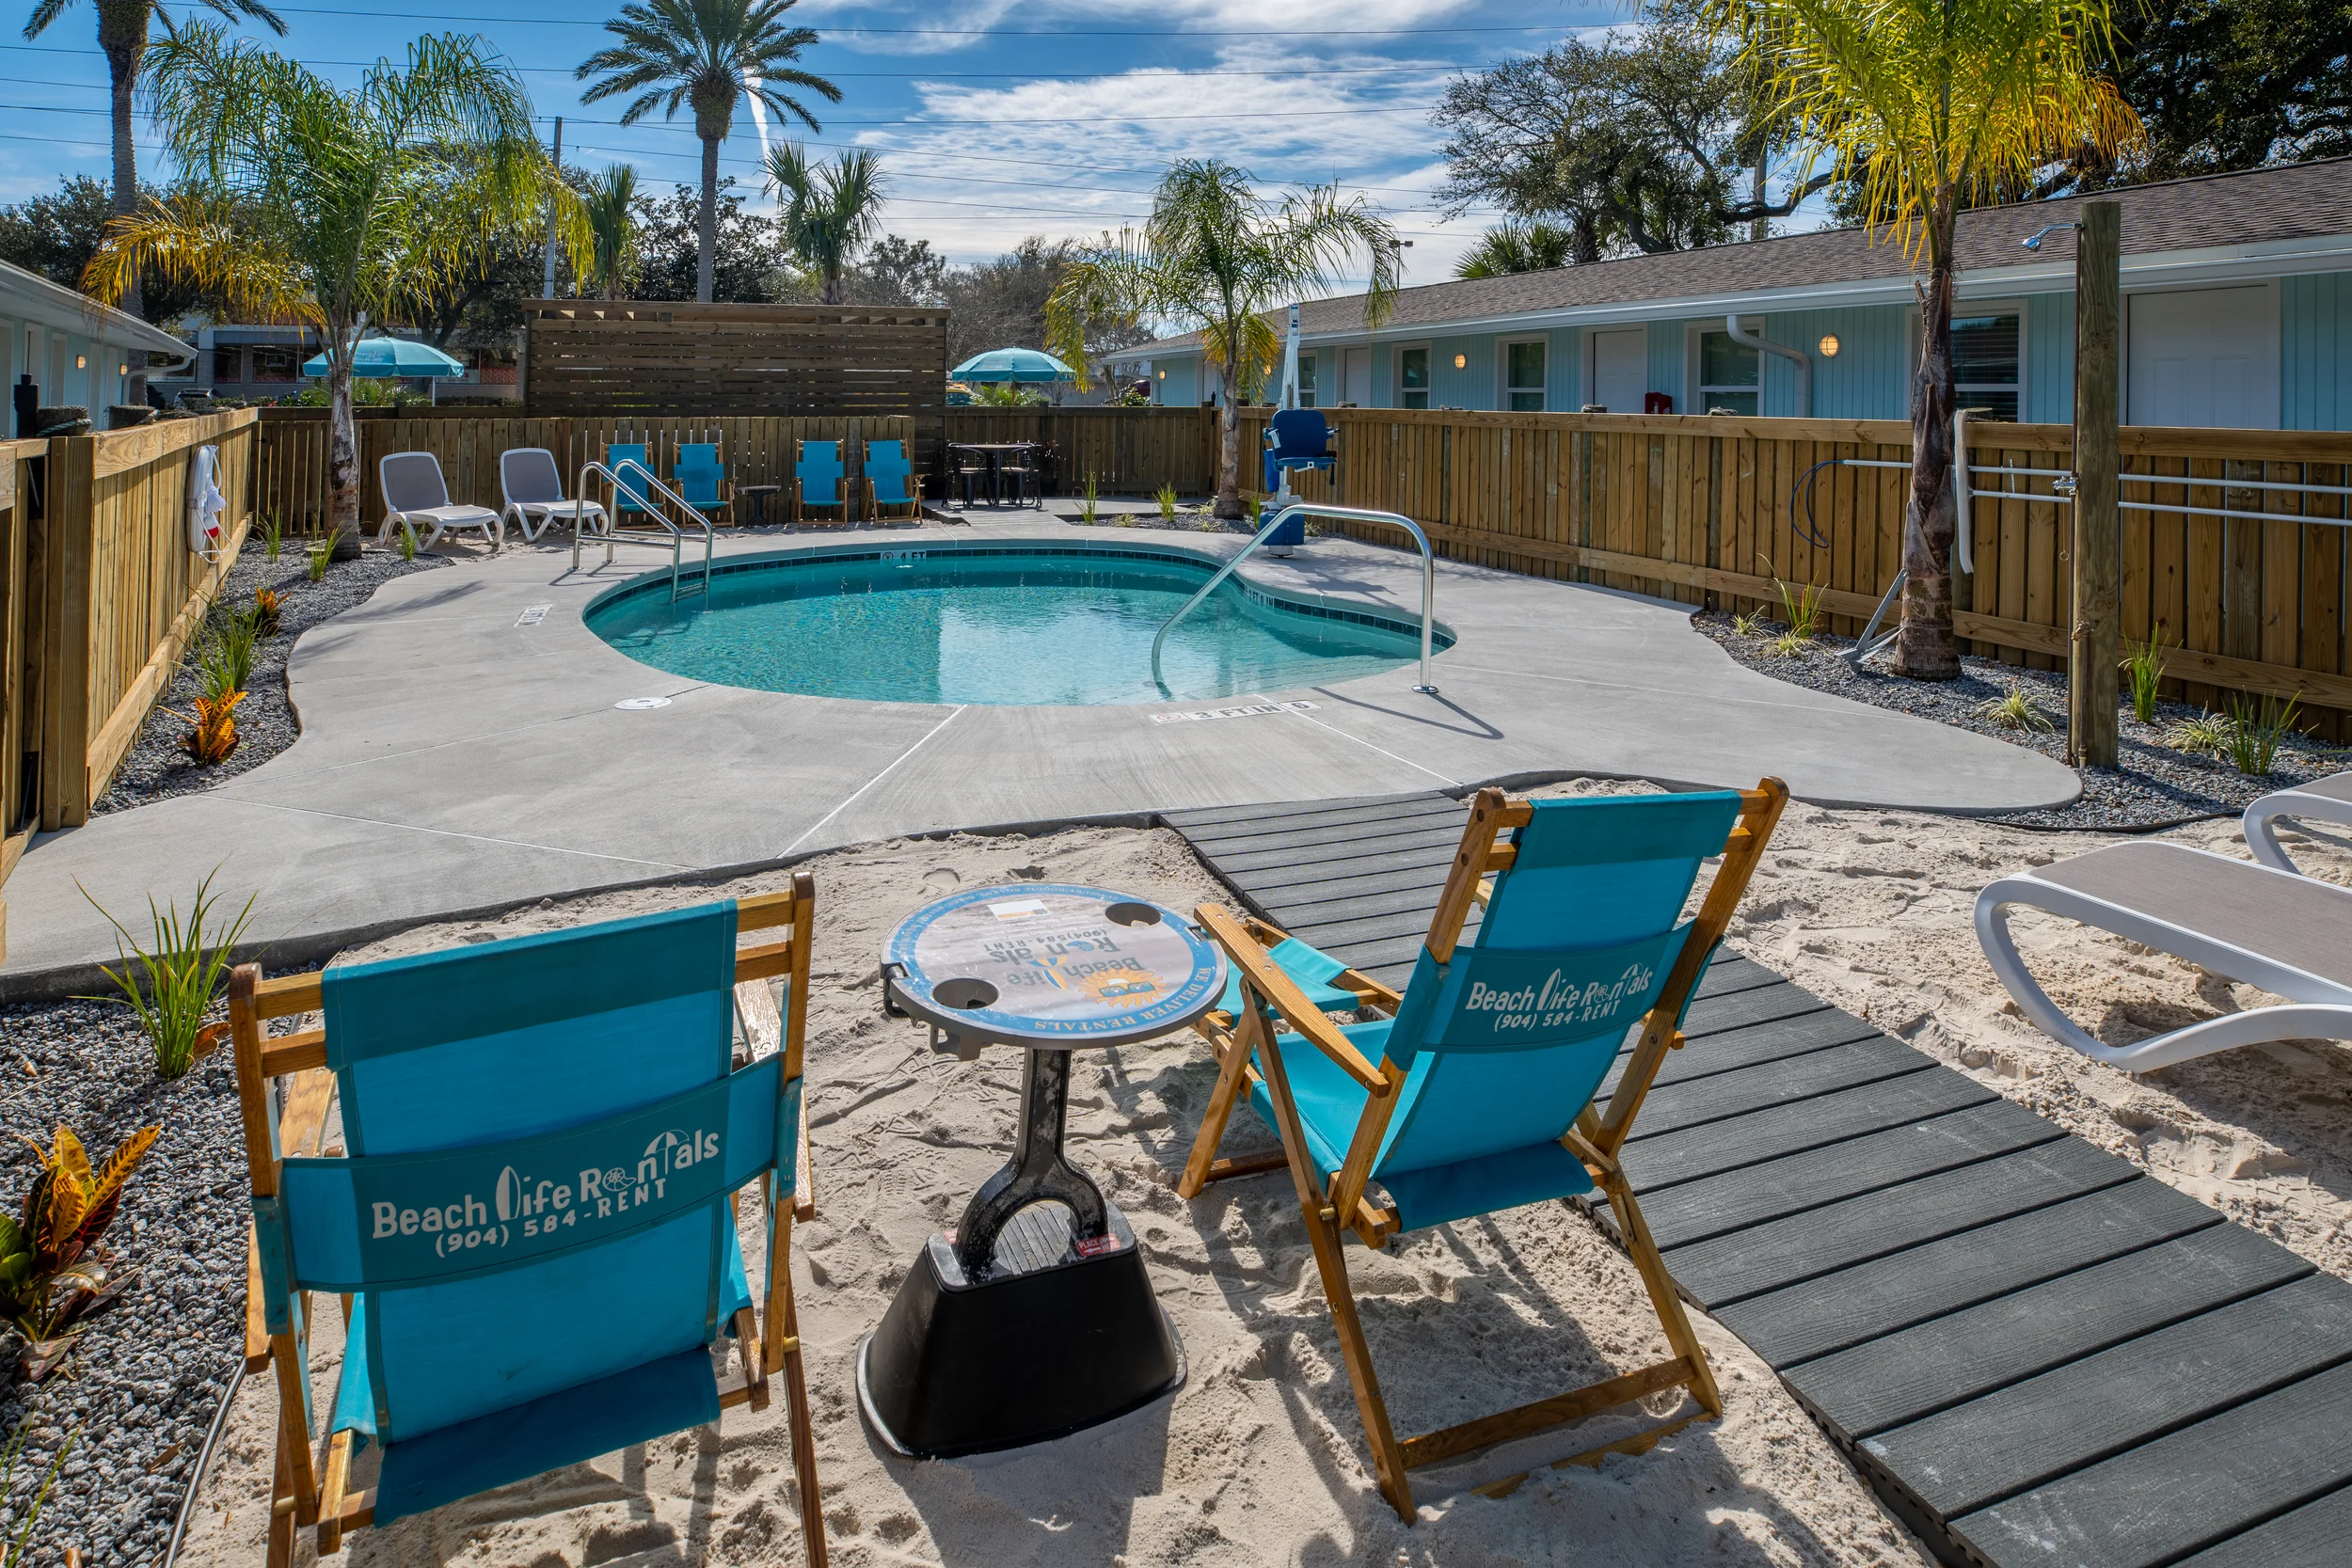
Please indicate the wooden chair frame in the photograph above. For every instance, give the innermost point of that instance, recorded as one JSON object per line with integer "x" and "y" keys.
{"x": 726, "y": 503}
{"x": 874, "y": 505}
{"x": 1341, "y": 1203}
{"x": 310, "y": 1491}
{"x": 846, "y": 505}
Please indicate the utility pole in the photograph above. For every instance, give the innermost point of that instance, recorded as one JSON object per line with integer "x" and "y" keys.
{"x": 547, "y": 269}
{"x": 2096, "y": 652}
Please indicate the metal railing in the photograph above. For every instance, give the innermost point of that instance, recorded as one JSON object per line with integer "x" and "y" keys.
{"x": 1347, "y": 514}
{"x": 612, "y": 533}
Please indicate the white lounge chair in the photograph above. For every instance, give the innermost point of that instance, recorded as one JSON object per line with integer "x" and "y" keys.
{"x": 415, "y": 495}
{"x": 533, "y": 488}
{"x": 2287, "y": 934}
{"x": 2328, "y": 799}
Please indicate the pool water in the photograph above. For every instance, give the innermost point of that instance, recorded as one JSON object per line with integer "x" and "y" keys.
{"x": 946, "y": 626}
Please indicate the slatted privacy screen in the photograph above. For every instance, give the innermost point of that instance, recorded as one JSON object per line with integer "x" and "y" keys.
{"x": 1129, "y": 452}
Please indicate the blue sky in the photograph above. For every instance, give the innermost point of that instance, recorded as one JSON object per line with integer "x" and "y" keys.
{"x": 995, "y": 119}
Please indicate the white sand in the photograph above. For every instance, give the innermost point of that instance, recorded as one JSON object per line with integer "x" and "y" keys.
{"x": 1259, "y": 1459}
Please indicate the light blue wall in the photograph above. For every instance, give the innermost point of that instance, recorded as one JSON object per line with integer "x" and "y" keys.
{"x": 2049, "y": 359}
{"x": 1665, "y": 362}
{"x": 1868, "y": 380}
{"x": 1565, "y": 373}
{"x": 2316, "y": 351}
{"x": 1473, "y": 384}
{"x": 1181, "y": 390}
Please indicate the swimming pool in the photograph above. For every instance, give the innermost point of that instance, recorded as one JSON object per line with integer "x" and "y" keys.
{"x": 994, "y": 625}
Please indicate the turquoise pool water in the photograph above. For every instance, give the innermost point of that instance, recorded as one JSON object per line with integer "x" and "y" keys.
{"x": 966, "y": 625}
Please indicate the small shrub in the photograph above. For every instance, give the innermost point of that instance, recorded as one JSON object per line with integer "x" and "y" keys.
{"x": 2207, "y": 734}
{"x": 407, "y": 544}
{"x": 18, "y": 1552}
{"x": 268, "y": 604}
{"x": 2143, "y": 669}
{"x": 52, "y": 1279}
{"x": 212, "y": 728}
{"x": 1747, "y": 625}
{"x": 1208, "y": 523}
{"x": 2015, "y": 712}
{"x": 1089, "y": 498}
{"x": 320, "y": 556}
{"x": 2252, "y": 732}
{"x": 1167, "y": 498}
{"x": 171, "y": 984}
{"x": 230, "y": 643}
{"x": 273, "y": 535}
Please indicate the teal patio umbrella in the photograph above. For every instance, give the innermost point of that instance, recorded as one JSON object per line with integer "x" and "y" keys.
{"x": 390, "y": 357}
{"x": 1013, "y": 364}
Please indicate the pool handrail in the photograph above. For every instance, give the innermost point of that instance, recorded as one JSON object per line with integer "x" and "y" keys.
{"x": 1347, "y": 514}
{"x": 612, "y": 534}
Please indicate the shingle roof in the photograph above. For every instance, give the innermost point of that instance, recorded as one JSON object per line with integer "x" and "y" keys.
{"x": 2296, "y": 201}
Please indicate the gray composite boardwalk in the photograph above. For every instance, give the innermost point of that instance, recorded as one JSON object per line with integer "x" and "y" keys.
{"x": 2037, "y": 1354}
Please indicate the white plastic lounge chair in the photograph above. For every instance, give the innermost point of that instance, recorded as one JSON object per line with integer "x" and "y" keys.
{"x": 533, "y": 490}
{"x": 2288, "y": 934}
{"x": 2328, "y": 799}
{"x": 415, "y": 495}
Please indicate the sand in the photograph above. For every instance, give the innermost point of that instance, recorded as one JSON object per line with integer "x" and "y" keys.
{"x": 1259, "y": 1459}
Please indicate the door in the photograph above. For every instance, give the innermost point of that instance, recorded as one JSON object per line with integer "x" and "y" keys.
{"x": 2206, "y": 357}
{"x": 1355, "y": 377}
{"x": 1620, "y": 369}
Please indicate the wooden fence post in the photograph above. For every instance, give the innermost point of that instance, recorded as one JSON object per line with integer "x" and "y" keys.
{"x": 2095, "y": 651}
{"x": 71, "y": 528}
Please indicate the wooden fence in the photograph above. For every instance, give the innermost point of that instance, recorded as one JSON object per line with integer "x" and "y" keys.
{"x": 1710, "y": 509}
{"x": 102, "y": 594}
{"x": 756, "y": 450}
{"x": 1130, "y": 451}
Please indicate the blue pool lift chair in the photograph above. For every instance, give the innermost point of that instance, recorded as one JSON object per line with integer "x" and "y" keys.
{"x": 891, "y": 481}
{"x": 531, "y": 1222}
{"x": 1474, "y": 1091}
{"x": 702, "y": 479}
{"x": 1297, "y": 438}
{"x": 819, "y": 479}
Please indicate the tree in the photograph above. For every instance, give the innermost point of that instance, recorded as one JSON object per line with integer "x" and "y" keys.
{"x": 1533, "y": 246}
{"x": 1629, "y": 142}
{"x": 352, "y": 204}
{"x": 611, "y": 204}
{"x": 829, "y": 210}
{"x": 1216, "y": 257}
{"x": 1929, "y": 104}
{"x": 1001, "y": 303}
{"x": 702, "y": 54}
{"x": 895, "y": 271}
{"x": 2225, "y": 85}
{"x": 55, "y": 236}
{"x": 669, "y": 249}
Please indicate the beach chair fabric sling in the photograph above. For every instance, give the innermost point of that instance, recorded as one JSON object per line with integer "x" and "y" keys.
{"x": 416, "y": 495}
{"x": 819, "y": 479}
{"x": 2328, "y": 799}
{"x": 533, "y": 488}
{"x": 1474, "y": 1092}
{"x": 702, "y": 479}
{"x": 533, "y": 1219}
{"x": 2290, "y": 935}
{"x": 891, "y": 481}
{"x": 630, "y": 460}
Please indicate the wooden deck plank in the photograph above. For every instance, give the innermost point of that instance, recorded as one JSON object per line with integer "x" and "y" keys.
{"x": 1779, "y": 1252}
{"x": 1975, "y": 1455}
{"x": 1835, "y": 1311}
{"x": 1914, "y": 1372}
{"x": 1749, "y": 1045}
{"x": 1727, "y": 1095}
{"x": 2311, "y": 1536}
{"x": 1270, "y": 870}
{"x": 1342, "y": 841}
{"x": 1658, "y": 1163}
{"x": 1212, "y": 821}
{"x": 2184, "y": 1492}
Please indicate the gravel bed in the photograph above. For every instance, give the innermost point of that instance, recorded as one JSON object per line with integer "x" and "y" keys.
{"x": 139, "y": 1392}
{"x": 2156, "y": 785}
{"x": 155, "y": 768}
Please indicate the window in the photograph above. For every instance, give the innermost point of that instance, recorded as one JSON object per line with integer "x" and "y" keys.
{"x": 1306, "y": 381}
{"x": 277, "y": 364}
{"x": 1412, "y": 378}
{"x": 1985, "y": 362}
{"x": 1729, "y": 373}
{"x": 1523, "y": 376}
{"x": 228, "y": 363}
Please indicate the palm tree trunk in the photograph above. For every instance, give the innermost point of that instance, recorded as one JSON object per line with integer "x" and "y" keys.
{"x": 343, "y": 459}
{"x": 1924, "y": 650}
{"x": 124, "y": 71}
{"x": 1228, "y": 507}
{"x": 706, "y": 227}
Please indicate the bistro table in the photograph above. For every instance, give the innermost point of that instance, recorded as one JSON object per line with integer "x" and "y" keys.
{"x": 1024, "y": 1323}
{"x": 995, "y": 453}
{"x": 759, "y": 495}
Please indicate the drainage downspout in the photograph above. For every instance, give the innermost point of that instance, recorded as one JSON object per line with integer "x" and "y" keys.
{"x": 1794, "y": 356}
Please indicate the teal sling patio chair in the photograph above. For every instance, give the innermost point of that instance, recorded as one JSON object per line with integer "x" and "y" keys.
{"x": 819, "y": 479}
{"x": 891, "y": 481}
{"x": 1475, "y": 1092}
{"x": 533, "y": 1225}
{"x": 632, "y": 501}
{"x": 702, "y": 479}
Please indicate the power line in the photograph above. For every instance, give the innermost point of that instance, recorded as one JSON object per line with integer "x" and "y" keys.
{"x": 980, "y": 32}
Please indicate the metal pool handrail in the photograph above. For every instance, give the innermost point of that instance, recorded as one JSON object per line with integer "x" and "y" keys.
{"x": 1348, "y": 514}
{"x": 611, "y": 533}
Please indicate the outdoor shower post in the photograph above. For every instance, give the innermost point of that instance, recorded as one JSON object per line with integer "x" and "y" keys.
{"x": 2096, "y": 653}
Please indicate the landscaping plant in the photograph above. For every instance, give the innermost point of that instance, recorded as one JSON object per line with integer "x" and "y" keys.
{"x": 171, "y": 984}
{"x": 1088, "y": 500}
{"x": 17, "y": 1553}
{"x": 407, "y": 544}
{"x": 320, "y": 556}
{"x": 1801, "y": 614}
{"x": 2207, "y": 734}
{"x": 1167, "y": 498}
{"x": 212, "y": 728}
{"x": 2143, "y": 668}
{"x": 273, "y": 536}
{"x": 267, "y": 603}
{"x": 2015, "y": 712}
{"x": 2251, "y": 734}
{"x": 53, "y": 1279}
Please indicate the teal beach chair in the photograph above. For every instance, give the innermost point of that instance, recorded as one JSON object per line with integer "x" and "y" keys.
{"x": 891, "y": 481}
{"x": 532, "y": 1225}
{"x": 819, "y": 479}
{"x": 1474, "y": 1093}
{"x": 631, "y": 500}
{"x": 702, "y": 479}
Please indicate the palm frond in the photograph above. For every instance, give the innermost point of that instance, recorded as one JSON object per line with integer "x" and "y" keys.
{"x": 43, "y": 14}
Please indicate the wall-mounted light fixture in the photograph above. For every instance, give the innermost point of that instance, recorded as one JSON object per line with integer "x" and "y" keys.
{"x": 1162, "y": 375}
{"x": 123, "y": 368}
{"x": 1461, "y": 361}
{"x": 81, "y": 361}
{"x": 1830, "y": 346}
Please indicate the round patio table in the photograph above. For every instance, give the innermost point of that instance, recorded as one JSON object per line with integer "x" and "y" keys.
{"x": 1020, "y": 1325}
{"x": 759, "y": 495}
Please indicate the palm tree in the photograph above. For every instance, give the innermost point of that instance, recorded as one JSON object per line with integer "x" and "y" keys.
{"x": 1535, "y": 246}
{"x": 1216, "y": 257}
{"x": 306, "y": 202}
{"x": 610, "y": 204}
{"x": 829, "y": 211}
{"x": 701, "y": 54}
{"x": 1933, "y": 105}
{"x": 122, "y": 39}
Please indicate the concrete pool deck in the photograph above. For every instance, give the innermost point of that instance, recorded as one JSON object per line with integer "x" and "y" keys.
{"x": 454, "y": 758}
